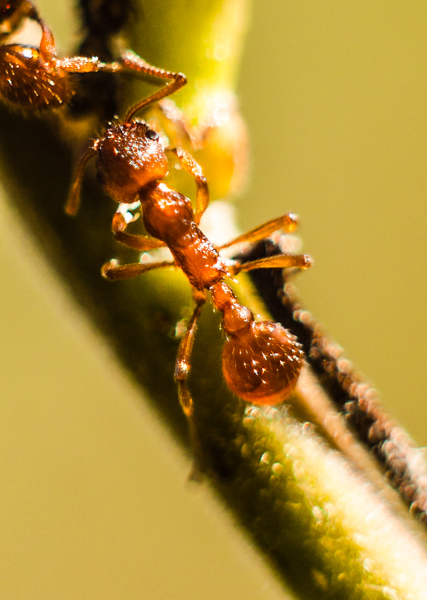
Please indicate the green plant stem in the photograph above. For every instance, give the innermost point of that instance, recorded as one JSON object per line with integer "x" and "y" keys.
{"x": 325, "y": 529}
{"x": 202, "y": 38}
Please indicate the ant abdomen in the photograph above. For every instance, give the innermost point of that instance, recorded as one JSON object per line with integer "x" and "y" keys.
{"x": 262, "y": 364}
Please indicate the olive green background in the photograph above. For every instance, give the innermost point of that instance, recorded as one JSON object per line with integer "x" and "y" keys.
{"x": 95, "y": 502}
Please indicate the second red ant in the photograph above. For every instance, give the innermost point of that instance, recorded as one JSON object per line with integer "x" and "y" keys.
{"x": 261, "y": 360}
{"x": 35, "y": 78}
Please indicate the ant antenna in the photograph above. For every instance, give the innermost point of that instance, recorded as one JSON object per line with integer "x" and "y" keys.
{"x": 73, "y": 200}
{"x": 133, "y": 62}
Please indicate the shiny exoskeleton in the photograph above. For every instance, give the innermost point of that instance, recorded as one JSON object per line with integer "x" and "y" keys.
{"x": 35, "y": 78}
{"x": 261, "y": 360}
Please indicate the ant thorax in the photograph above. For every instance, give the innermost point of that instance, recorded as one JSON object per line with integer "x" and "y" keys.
{"x": 129, "y": 157}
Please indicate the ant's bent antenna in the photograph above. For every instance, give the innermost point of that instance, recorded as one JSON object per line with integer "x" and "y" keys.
{"x": 73, "y": 202}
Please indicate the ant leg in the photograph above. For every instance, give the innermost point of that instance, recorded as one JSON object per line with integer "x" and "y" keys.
{"x": 47, "y": 42}
{"x": 128, "y": 62}
{"x": 182, "y": 364}
{"x": 288, "y": 223}
{"x": 182, "y": 370}
{"x": 113, "y": 271}
{"x": 279, "y": 261}
{"x": 136, "y": 242}
{"x": 132, "y": 62}
{"x": 193, "y": 168}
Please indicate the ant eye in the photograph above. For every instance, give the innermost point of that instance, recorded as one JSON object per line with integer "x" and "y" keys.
{"x": 152, "y": 135}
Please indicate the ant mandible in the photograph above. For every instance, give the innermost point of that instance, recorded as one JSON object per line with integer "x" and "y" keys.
{"x": 36, "y": 79}
{"x": 261, "y": 360}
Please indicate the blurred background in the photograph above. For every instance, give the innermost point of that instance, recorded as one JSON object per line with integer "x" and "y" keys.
{"x": 335, "y": 98}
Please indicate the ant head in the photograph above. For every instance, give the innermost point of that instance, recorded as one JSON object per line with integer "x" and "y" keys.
{"x": 130, "y": 157}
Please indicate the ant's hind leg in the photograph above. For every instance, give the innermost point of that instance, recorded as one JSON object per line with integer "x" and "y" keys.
{"x": 182, "y": 370}
{"x": 192, "y": 167}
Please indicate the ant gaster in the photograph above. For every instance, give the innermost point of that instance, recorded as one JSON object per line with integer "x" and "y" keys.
{"x": 36, "y": 79}
{"x": 261, "y": 360}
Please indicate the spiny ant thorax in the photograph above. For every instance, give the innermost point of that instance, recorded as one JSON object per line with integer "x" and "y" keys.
{"x": 130, "y": 157}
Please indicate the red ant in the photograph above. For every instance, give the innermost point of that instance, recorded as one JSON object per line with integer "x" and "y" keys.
{"x": 36, "y": 79}
{"x": 261, "y": 360}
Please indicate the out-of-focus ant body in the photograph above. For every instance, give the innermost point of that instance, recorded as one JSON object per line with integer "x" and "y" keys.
{"x": 35, "y": 78}
{"x": 261, "y": 360}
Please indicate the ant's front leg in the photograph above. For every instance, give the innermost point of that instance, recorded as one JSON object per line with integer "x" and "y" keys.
{"x": 142, "y": 243}
{"x": 182, "y": 371}
{"x": 112, "y": 270}
{"x": 192, "y": 167}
